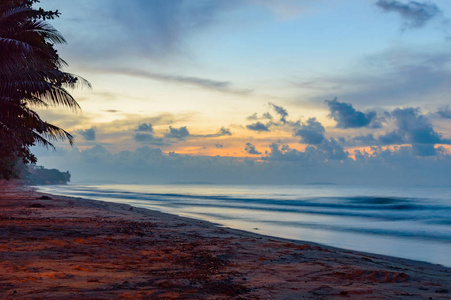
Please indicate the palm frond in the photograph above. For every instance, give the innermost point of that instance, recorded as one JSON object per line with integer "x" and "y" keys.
{"x": 48, "y": 92}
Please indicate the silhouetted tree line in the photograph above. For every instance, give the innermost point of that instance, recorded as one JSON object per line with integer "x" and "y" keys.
{"x": 38, "y": 175}
{"x": 30, "y": 77}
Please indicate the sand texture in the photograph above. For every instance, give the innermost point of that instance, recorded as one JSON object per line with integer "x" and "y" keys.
{"x": 72, "y": 248}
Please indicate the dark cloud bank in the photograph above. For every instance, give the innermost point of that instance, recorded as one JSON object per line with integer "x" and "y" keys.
{"x": 415, "y": 155}
{"x": 281, "y": 165}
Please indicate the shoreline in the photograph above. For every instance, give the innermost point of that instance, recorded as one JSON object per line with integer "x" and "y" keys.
{"x": 414, "y": 241}
{"x": 66, "y": 248}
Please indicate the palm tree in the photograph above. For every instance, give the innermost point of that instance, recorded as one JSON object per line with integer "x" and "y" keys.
{"x": 30, "y": 76}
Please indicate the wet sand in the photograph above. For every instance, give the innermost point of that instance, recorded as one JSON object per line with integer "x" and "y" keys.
{"x": 73, "y": 248}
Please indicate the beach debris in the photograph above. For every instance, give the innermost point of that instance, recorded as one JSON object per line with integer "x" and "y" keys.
{"x": 44, "y": 197}
{"x": 36, "y": 205}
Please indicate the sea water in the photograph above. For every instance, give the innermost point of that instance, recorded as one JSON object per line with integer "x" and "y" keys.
{"x": 408, "y": 222}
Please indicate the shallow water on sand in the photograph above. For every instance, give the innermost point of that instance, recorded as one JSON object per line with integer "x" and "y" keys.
{"x": 408, "y": 222}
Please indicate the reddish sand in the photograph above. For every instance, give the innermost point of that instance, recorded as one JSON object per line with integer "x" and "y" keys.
{"x": 71, "y": 248}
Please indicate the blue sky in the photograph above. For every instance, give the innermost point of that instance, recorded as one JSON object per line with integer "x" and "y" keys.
{"x": 243, "y": 87}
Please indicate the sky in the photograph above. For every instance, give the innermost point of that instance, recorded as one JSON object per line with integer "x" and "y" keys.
{"x": 256, "y": 91}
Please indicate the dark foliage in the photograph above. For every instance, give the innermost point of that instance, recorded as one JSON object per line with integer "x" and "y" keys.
{"x": 38, "y": 175}
{"x": 30, "y": 76}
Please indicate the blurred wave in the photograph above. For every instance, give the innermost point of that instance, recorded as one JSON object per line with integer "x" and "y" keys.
{"x": 408, "y": 222}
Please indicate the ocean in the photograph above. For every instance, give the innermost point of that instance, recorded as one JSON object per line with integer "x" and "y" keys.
{"x": 408, "y": 222}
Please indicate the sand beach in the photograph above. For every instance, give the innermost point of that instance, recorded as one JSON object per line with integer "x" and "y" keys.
{"x": 55, "y": 247}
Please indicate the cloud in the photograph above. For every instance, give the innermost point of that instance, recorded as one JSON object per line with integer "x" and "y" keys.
{"x": 250, "y": 149}
{"x": 281, "y": 166}
{"x": 258, "y": 126}
{"x": 282, "y": 112}
{"x": 178, "y": 133}
{"x": 222, "y": 132}
{"x": 149, "y": 139}
{"x": 252, "y": 117}
{"x": 255, "y": 117}
{"x": 411, "y": 127}
{"x": 146, "y": 135}
{"x": 155, "y": 29}
{"x": 397, "y": 76}
{"x": 414, "y": 14}
{"x": 151, "y": 29}
{"x": 444, "y": 112}
{"x": 219, "y": 146}
{"x": 88, "y": 134}
{"x": 267, "y": 116}
{"x": 145, "y": 127}
{"x": 215, "y": 85}
{"x": 362, "y": 140}
{"x": 311, "y": 132}
{"x": 161, "y": 27}
{"x": 284, "y": 154}
{"x": 328, "y": 150}
{"x": 347, "y": 116}
{"x": 416, "y": 129}
{"x": 391, "y": 138}
{"x": 111, "y": 110}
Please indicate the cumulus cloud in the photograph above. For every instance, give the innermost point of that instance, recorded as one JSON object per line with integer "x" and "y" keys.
{"x": 411, "y": 127}
{"x": 88, "y": 134}
{"x": 224, "y": 131}
{"x": 282, "y": 112}
{"x": 444, "y": 112}
{"x": 311, "y": 132}
{"x": 250, "y": 149}
{"x": 221, "y": 132}
{"x": 146, "y": 134}
{"x": 347, "y": 116}
{"x": 255, "y": 117}
{"x": 391, "y": 138}
{"x": 413, "y": 13}
{"x": 145, "y": 127}
{"x": 258, "y": 126}
{"x": 327, "y": 150}
{"x": 149, "y": 139}
{"x": 416, "y": 129}
{"x": 367, "y": 139}
{"x": 178, "y": 133}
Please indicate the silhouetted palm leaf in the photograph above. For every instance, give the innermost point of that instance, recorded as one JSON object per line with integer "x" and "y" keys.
{"x": 31, "y": 75}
